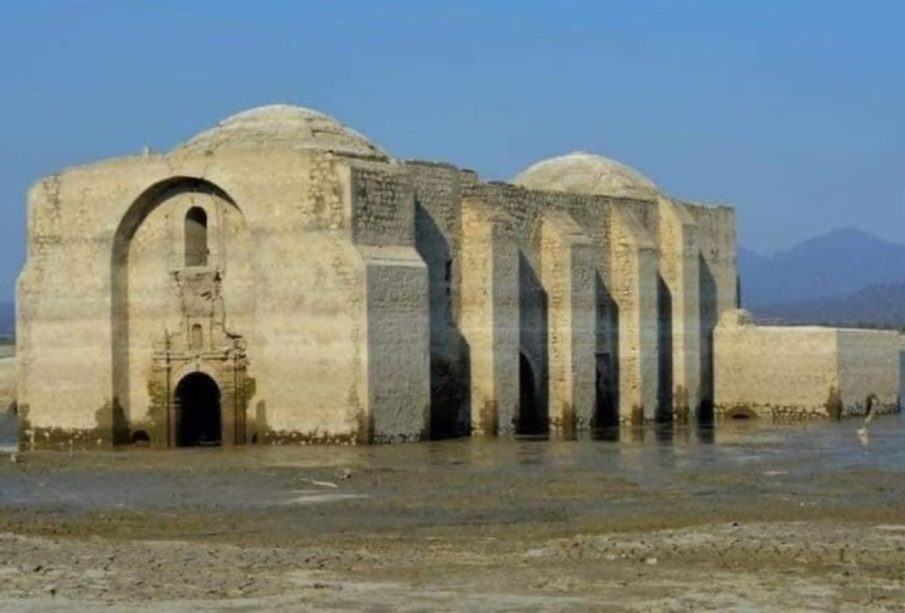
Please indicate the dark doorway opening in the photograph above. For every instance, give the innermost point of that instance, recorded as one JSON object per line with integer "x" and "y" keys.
{"x": 198, "y": 411}
{"x": 604, "y": 386}
{"x": 531, "y": 419}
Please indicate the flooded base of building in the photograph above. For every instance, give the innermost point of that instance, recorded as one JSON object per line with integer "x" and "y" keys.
{"x": 746, "y": 516}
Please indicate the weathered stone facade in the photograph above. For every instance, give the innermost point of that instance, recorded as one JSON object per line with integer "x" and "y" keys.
{"x": 793, "y": 373}
{"x": 279, "y": 278}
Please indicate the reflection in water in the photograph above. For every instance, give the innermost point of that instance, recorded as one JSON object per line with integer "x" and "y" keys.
{"x": 706, "y": 433}
{"x": 8, "y": 430}
{"x": 663, "y": 432}
{"x": 673, "y": 457}
{"x": 610, "y": 434}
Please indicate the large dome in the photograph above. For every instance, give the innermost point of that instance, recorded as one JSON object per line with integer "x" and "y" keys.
{"x": 283, "y": 125}
{"x": 586, "y": 173}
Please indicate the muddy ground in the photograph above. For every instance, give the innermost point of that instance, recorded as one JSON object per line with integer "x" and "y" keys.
{"x": 751, "y": 517}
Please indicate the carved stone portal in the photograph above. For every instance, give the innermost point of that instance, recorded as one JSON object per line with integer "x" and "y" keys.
{"x": 202, "y": 344}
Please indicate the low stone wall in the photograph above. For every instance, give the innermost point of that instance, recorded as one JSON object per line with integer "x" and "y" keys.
{"x": 791, "y": 373}
{"x": 868, "y": 365}
{"x": 775, "y": 372}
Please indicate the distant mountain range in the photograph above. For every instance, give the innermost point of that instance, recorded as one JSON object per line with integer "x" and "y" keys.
{"x": 845, "y": 277}
{"x": 831, "y": 265}
{"x": 880, "y": 305}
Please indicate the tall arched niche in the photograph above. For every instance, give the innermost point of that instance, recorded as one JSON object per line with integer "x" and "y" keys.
{"x": 161, "y": 294}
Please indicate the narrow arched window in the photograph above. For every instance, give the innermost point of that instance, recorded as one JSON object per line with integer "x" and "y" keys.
{"x": 196, "y": 237}
{"x": 197, "y": 337}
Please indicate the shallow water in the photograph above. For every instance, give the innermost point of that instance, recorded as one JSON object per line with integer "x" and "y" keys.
{"x": 8, "y": 429}
{"x": 749, "y": 516}
{"x": 821, "y": 460}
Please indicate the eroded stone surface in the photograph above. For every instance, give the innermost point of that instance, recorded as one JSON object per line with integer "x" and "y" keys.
{"x": 281, "y": 279}
{"x": 789, "y": 373}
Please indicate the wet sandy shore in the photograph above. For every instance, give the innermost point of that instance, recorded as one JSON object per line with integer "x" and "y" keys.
{"x": 749, "y": 517}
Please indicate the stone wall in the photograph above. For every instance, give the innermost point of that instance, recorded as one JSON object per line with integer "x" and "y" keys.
{"x": 382, "y": 199}
{"x": 437, "y": 197}
{"x": 774, "y": 372}
{"x": 631, "y": 255}
{"x": 63, "y": 303}
{"x": 567, "y": 275}
{"x": 490, "y": 320}
{"x": 679, "y": 311}
{"x": 397, "y": 302}
{"x": 719, "y": 272}
{"x": 718, "y": 285}
{"x": 296, "y": 298}
{"x": 800, "y": 372}
{"x": 635, "y": 292}
{"x": 440, "y": 237}
{"x": 347, "y": 299}
{"x": 868, "y": 364}
{"x": 398, "y": 348}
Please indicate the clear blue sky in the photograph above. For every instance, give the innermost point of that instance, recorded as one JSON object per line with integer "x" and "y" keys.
{"x": 793, "y": 111}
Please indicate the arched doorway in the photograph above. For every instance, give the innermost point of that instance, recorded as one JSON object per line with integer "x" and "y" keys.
{"x": 531, "y": 419}
{"x": 198, "y": 416}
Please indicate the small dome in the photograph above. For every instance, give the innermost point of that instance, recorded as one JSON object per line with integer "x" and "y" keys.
{"x": 586, "y": 173}
{"x": 283, "y": 125}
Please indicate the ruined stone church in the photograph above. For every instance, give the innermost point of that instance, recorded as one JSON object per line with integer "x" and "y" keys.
{"x": 280, "y": 278}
